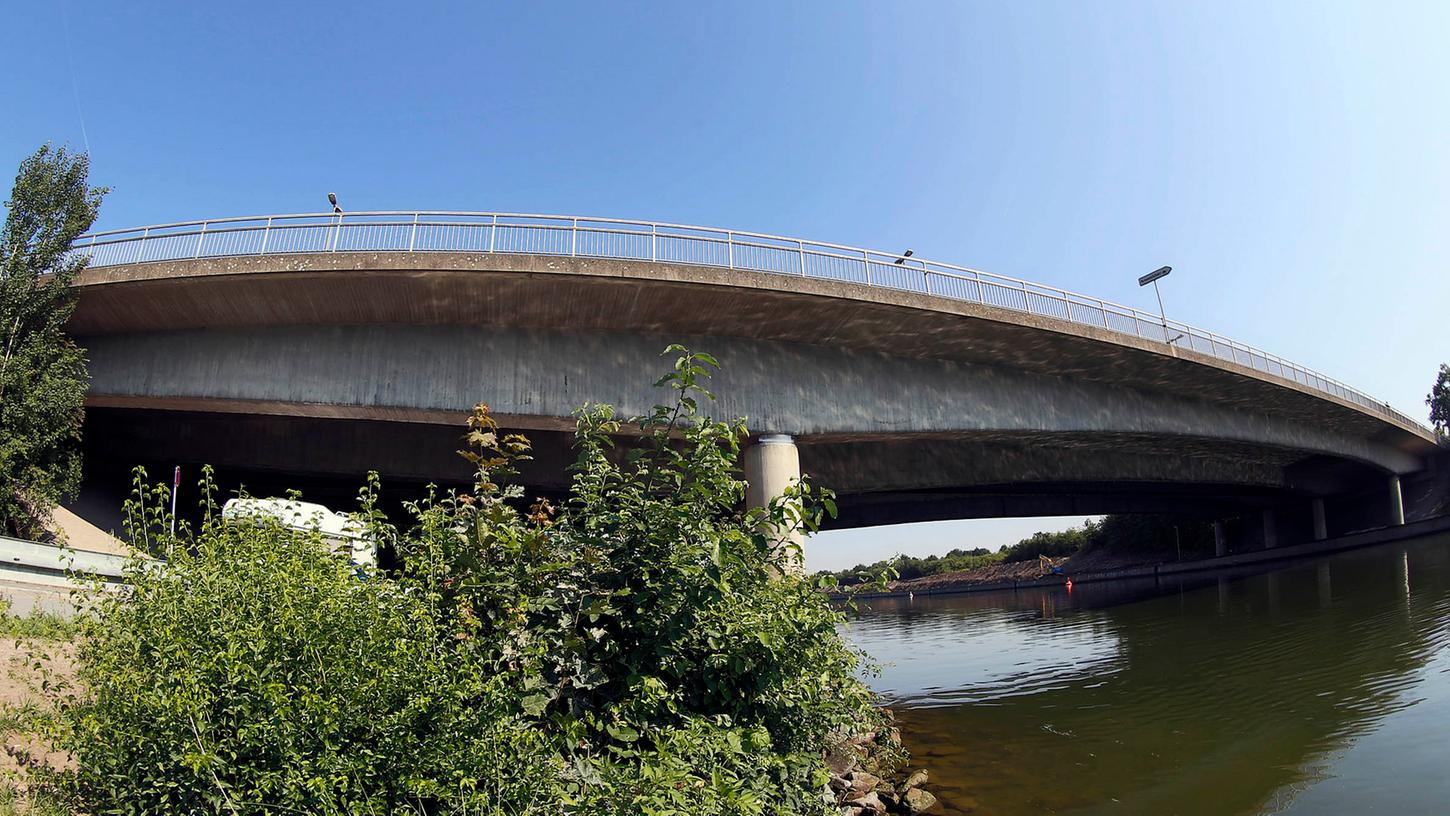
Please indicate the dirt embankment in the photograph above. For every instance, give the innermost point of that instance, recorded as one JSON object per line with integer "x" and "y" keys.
{"x": 24, "y": 665}
{"x": 1081, "y": 563}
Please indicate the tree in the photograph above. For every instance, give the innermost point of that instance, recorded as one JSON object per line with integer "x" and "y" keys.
{"x": 42, "y": 371}
{"x": 1439, "y": 402}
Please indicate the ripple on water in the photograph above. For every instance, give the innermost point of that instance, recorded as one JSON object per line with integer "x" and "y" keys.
{"x": 1207, "y": 696}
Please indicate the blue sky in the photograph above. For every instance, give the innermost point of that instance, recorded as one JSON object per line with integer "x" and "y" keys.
{"x": 1288, "y": 159}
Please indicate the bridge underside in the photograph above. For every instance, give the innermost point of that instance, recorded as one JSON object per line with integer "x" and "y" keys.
{"x": 307, "y": 370}
{"x": 882, "y": 479}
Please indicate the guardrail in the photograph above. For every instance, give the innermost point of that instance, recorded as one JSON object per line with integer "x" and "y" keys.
{"x": 522, "y": 233}
{"x": 26, "y": 560}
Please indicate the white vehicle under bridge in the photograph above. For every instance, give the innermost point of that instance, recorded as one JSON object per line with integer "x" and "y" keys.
{"x": 343, "y": 533}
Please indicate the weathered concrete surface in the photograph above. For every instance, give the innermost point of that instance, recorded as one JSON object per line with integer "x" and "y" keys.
{"x": 583, "y": 295}
{"x": 771, "y": 466}
{"x": 811, "y": 392}
{"x": 912, "y": 406}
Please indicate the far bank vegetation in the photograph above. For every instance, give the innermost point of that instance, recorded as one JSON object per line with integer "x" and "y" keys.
{"x": 1126, "y": 537}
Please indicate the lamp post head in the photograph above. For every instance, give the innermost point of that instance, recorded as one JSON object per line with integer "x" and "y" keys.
{"x": 1160, "y": 272}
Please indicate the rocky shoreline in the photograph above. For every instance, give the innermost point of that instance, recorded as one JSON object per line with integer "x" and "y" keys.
{"x": 864, "y": 779}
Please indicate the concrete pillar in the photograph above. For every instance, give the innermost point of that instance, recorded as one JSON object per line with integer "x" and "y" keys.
{"x": 772, "y": 464}
{"x": 1321, "y": 529}
{"x": 1397, "y": 501}
{"x": 1220, "y": 540}
{"x": 1271, "y": 528}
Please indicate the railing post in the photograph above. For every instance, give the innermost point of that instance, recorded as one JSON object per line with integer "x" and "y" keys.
{"x": 925, "y": 280}
{"x": 654, "y": 243}
{"x": 866, "y": 264}
{"x": 266, "y": 233}
{"x": 1026, "y": 298}
{"x": 141, "y": 243}
{"x": 730, "y": 248}
{"x": 492, "y": 232}
{"x": 800, "y": 248}
{"x": 199, "y": 236}
{"x": 1103, "y": 307}
{"x": 574, "y": 239}
{"x": 413, "y": 234}
{"x": 335, "y": 230}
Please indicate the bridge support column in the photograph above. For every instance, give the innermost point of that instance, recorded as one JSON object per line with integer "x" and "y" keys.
{"x": 1271, "y": 528}
{"x": 1220, "y": 539}
{"x": 1397, "y": 501}
{"x": 773, "y": 464}
{"x": 1321, "y": 529}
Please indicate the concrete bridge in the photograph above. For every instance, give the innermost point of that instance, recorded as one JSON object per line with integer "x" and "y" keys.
{"x": 309, "y": 349}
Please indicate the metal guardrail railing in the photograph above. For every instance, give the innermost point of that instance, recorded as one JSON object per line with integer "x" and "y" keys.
{"x": 20, "y": 558}
{"x": 522, "y": 233}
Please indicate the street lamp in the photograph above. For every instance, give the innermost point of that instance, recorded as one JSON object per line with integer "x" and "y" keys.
{"x": 337, "y": 227}
{"x": 1152, "y": 277}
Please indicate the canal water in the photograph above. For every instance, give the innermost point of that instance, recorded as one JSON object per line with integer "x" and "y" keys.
{"x": 1319, "y": 687}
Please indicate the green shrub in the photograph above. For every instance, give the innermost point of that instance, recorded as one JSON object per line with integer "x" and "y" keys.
{"x": 1052, "y": 545}
{"x": 1146, "y": 534}
{"x": 15, "y": 801}
{"x": 642, "y": 649}
{"x": 905, "y": 567}
{"x": 255, "y": 667}
{"x": 1137, "y": 534}
{"x": 37, "y": 624}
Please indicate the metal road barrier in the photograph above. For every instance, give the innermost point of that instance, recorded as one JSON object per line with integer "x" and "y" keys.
{"x": 33, "y": 562}
{"x": 519, "y": 233}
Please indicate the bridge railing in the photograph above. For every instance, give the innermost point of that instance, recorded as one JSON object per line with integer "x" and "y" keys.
{"x": 683, "y": 244}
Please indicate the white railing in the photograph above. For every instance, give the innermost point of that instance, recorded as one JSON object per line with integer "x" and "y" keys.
{"x": 681, "y": 244}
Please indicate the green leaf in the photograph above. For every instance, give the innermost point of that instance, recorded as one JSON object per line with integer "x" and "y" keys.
{"x": 623, "y": 733}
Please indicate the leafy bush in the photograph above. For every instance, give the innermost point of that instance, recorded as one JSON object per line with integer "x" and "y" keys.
{"x": 1146, "y": 534}
{"x": 1052, "y": 545}
{"x": 255, "y": 667}
{"x": 1121, "y": 534}
{"x": 16, "y": 801}
{"x": 642, "y": 649}
{"x": 906, "y": 567}
{"x": 37, "y": 624}
{"x": 1117, "y": 534}
{"x": 1439, "y": 401}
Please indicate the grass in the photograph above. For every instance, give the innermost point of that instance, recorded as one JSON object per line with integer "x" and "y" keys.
{"x": 17, "y": 798}
{"x": 38, "y": 624}
{"x": 16, "y": 801}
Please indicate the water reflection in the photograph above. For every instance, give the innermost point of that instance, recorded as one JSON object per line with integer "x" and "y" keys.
{"x": 1201, "y": 696}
